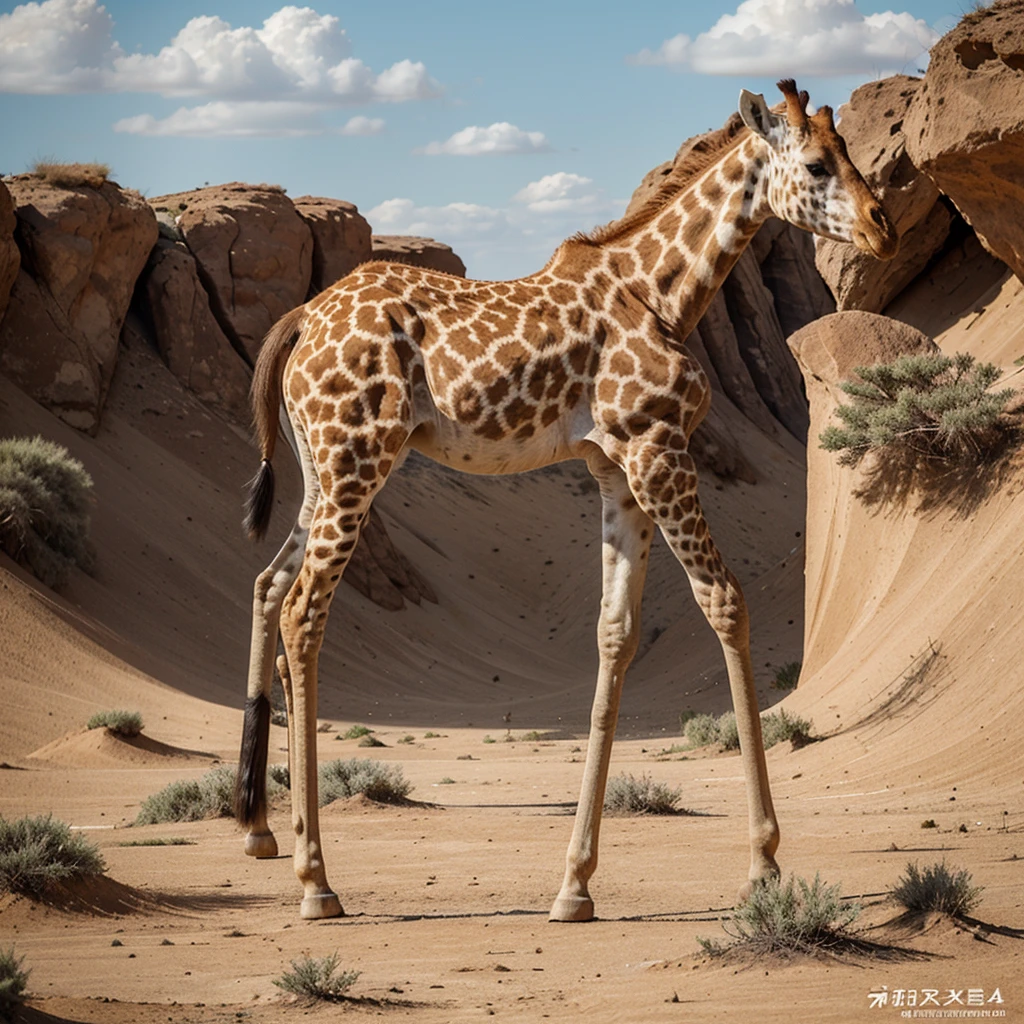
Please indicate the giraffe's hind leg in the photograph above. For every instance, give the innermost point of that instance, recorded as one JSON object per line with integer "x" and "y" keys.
{"x": 664, "y": 480}
{"x": 351, "y": 479}
{"x": 626, "y": 539}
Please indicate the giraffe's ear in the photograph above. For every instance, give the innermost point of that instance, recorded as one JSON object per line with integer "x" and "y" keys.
{"x": 754, "y": 113}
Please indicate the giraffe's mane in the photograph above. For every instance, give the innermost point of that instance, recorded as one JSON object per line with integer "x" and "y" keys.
{"x": 707, "y": 150}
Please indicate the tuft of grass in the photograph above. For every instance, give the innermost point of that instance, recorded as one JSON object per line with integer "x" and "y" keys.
{"x": 384, "y": 783}
{"x": 407, "y": 739}
{"x": 929, "y": 823}
{"x": 45, "y": 497}
{"x": 317, "y": 978}
{"x": 931, "y": 406}
{"x": 37, "y": 853}
{"x": 71, "y": 175}
{"x": 786, "y": 676}
{"x": 788, "y": 917}
{"x": 281, "y": 775}
{"x": 432, "y": 736}
{"x": 160, "y": 841}
{"x": 355, "y": 732}
{"x": 124, "y": 723}
{"x": 937, "y": 888}
{"x": 210, "y": 796}
{"x": 370, "y": 740}
{"x": 490, "y": 739}
{"x": 446, "y": 781}
{"x": 777, "y": 726}
{"x": 13, "y": 981}
{"x": 627, "y": 794}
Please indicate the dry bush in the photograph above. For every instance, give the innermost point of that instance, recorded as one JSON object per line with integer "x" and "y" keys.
{"x": 384, "y": 783}
{"x": 38, "y": 853}
{"x": 315, "y": 978}
{"x": 124, "y": 723}
{"x": 787, "y": 917}
{"x": 627, "y": 794}
{"x": 71, "y": 175}
{"x": 927, "y": 406}
{"x": 13, "y": 980}
{"x": 45, "y": 497}
{"x": 937, "y": 888}
{"x": 210, "y": 796}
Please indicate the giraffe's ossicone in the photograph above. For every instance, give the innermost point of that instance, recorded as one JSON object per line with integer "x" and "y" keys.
{"x": 583, "y": 359}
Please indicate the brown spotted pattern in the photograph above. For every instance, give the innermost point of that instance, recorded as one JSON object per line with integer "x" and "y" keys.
{"x": 583, "y": 359}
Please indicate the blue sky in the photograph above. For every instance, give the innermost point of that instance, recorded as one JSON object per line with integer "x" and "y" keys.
{"x": 498, "y": 128}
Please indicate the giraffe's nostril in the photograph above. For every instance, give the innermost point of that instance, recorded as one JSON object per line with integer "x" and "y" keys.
{"x": 877, "y": 216}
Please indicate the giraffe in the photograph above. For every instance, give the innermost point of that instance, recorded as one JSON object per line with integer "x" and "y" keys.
{"x": 584, "y": 359}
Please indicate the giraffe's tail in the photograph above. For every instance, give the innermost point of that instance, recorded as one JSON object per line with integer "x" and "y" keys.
{"x": 265, "y": 398}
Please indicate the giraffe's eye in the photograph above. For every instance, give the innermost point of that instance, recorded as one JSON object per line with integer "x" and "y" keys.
{"x": 818, "y": 170}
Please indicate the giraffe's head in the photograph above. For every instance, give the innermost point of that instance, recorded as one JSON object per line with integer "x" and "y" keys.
{"x": 810, "y": 180}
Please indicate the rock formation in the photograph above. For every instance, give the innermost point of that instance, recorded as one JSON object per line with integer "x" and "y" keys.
{"x": 423, "y": 252}
{"x": 341, "y": 238}
{"x": 253, "y": 252}
{"x": 965, "y": 128}
{"x": 82, "y": 249}
{"x": 10, "y": 258}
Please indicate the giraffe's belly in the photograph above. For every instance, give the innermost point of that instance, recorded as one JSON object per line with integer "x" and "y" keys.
{"x": 462, "y": 447}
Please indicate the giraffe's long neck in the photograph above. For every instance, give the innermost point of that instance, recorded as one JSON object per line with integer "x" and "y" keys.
{"x": 680, "y": 257}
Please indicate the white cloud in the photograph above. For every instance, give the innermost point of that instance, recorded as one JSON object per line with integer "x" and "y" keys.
{"x": 498, "y": 138}
{"x": 360, "y": 125}
{"x": 222, "y": 118}
{"x": 798, "y": 37}
{"x": 560, "y": 192}
{"x": 521, "y": 233}
{"x": 297, "y": 56}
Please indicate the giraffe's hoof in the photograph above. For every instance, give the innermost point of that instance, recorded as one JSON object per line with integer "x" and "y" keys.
{"x": 769, "y": 873}
{"x": 572, "y": 908}
{"x": 260, "y": 845}
{"x": 323, "y": 904}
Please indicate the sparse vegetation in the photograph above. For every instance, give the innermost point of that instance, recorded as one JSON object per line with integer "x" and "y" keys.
{"x": 728, "y": 731}
{"x": 627, "y": 794}
{"x": 932, "y": 406}
{"x": 778, "y": 726}
{"x": 124, "y": 723}
{"x": 385, "y": 783}
{"x": 701, "y": 730}
{"x": 161, "y": 841}
{"x": 354, "y": 732}
{"x": 71, "y": 175}
{"x": 45, "y": 496}
{"x": 13, "y": 980}
{"x": 407, "y": 739}
{"x": 929, "y": 823}
{"x": 432, "y": 736}
{"x": 446, "y": 781}
{"x": 209, "y": 796}
{"x": 490, "y": 739}
{"x": 37, "y": 853}
{"x": 317, "y": 978}
{"x": 786, "y": 676}
{"x": 369, "y": 740}
{"x": 787, "y": 917}
{"x": 937, "y": 888}
{"x": 280, "y": 774}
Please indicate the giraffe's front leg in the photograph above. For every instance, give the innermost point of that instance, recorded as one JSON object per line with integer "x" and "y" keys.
{"x": 667, "y": 488}
{"x": 626, "y": 541}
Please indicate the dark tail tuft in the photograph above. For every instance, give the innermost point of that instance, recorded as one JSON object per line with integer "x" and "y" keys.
{"x": 260, "y": 502}
{"x": 251, "y": 781}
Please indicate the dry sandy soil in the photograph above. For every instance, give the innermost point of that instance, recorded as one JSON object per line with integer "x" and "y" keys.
{"x": 447, "y": 901}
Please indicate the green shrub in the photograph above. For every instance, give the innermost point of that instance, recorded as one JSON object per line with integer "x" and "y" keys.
{"x": 934, "y": 406}
{"x": 790, "y": 917}
{"x": 786, "y": 676}
{"x": 728, "y": 731}
{"x": 777, "y": 726}
{"x": 316, "y": 978}
{"x": 627, "y": 794}
{"x": 39, "y": 853}
{"x": 354, "y": 732}
{"x": 210, "y": 796}
{"x": 12, "y": 982}
{"x": 701, "y": 730}
{"x": 45, "y": 496}
{"x": 937, "y": 888}
{"x": 124, "y": 723}
{"x": 384, "y": 783}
